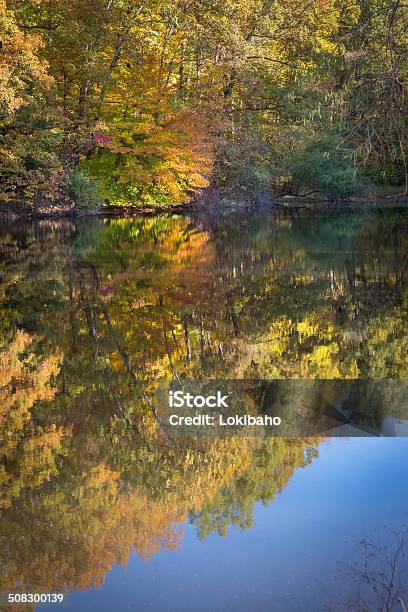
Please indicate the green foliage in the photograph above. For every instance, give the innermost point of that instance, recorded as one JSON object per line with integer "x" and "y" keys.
{"x": 244, "y": 163}
{"x": 83, "y": 190}
{"x": 325, "y": 168}
{"x": 115, "y": 186}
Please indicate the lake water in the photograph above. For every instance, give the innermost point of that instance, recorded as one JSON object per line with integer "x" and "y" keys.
{"x": 98, "y": 502}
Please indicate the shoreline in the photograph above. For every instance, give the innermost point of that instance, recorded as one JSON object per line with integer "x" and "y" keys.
{"x": 216, "y": 202}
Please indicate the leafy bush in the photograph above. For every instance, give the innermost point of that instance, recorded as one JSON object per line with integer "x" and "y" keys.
{"x": 83, "y": 190}
{"x": 153, "y": 163}
{"x": 29, "y": 165}
{"x": 323, "y": 167}
{"x": 243, "y": 162}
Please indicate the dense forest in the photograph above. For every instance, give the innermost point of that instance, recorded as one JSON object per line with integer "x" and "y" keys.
{"x": 148, "y": 102}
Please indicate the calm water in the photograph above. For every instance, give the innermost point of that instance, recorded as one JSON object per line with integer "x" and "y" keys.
{"x": 99, "y": 503}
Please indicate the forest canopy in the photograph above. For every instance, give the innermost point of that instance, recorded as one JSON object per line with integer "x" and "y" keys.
{"x": 150, "y": 101}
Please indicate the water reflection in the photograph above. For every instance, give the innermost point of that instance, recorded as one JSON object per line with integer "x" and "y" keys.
{"x": 94, "y": 314}
{"x": 378, "y": 577}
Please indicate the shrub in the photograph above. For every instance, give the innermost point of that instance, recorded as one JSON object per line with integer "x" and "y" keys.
{"x": 323, "y": 167}
{"x": 83, "y": 190}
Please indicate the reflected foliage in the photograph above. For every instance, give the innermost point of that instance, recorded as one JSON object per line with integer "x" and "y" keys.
{"x": 95, "y": 315}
